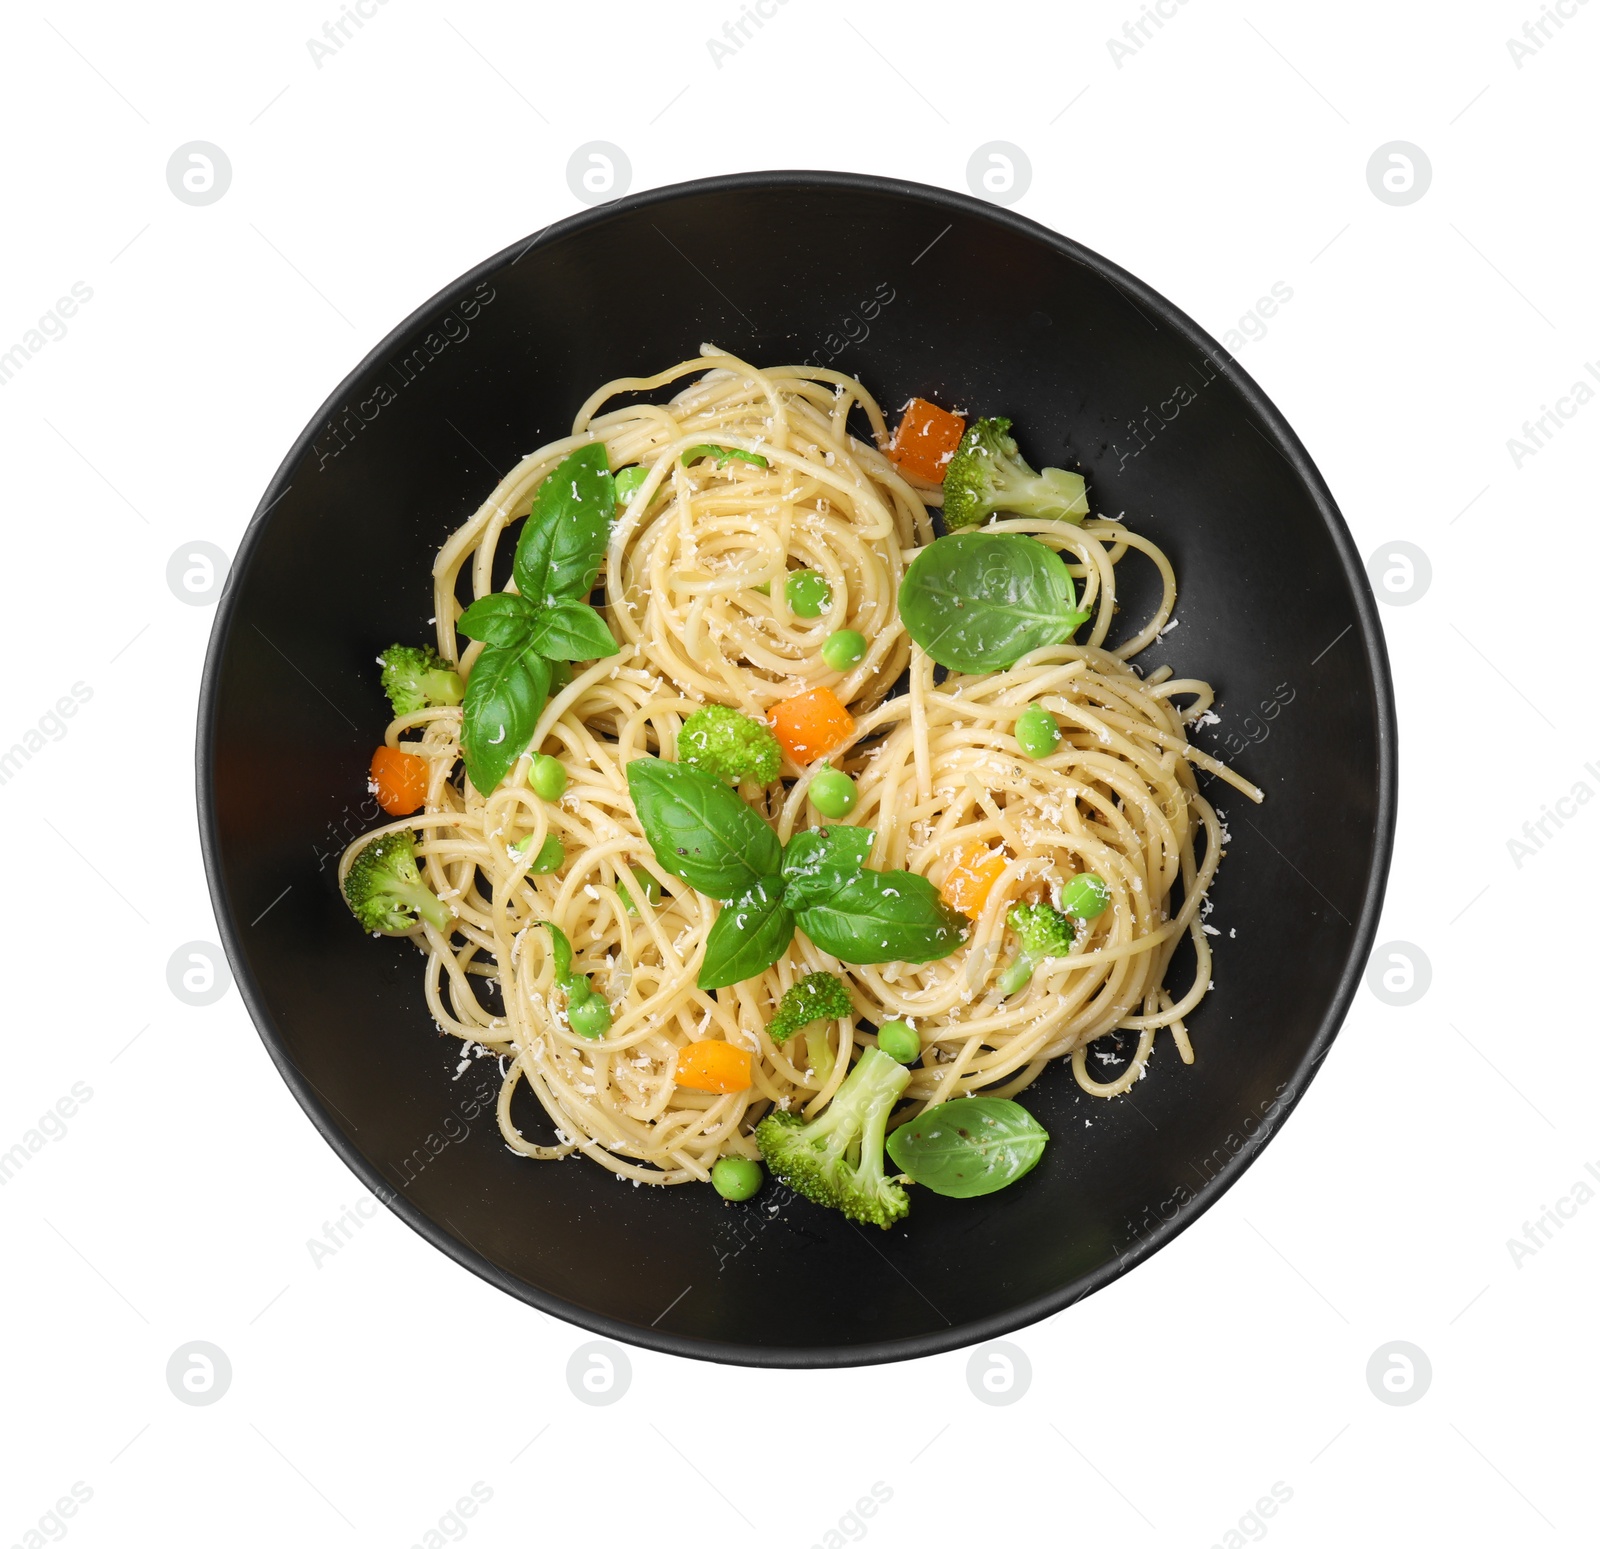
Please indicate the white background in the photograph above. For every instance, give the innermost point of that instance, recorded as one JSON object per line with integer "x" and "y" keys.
{"x": 1227, "y": 153}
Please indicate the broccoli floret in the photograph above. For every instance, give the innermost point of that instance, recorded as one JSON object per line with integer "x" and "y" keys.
{"x": 815, "y": 997}
{"x": 730, "y": 746}
{"x": 987, "y": 474}
{"x": 386, "y": 892}
{"x": 836, "y": 1159}
{"x": 1043, "y": 932}
{"x": 415, "y": 677}
{"x": 818, "y": 997}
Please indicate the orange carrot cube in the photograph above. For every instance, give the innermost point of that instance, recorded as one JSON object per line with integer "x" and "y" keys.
{"x": 925, "y": 440}
{"x": 811, "y": 725}
{"x": 399, "y": 780}
{"x": 967, "y": 883}
{"x": 713, "y": 1066}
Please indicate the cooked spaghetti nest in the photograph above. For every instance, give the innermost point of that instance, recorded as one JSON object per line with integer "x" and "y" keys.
{"x": 937, "y": 767}
{"x": 696, "y": 545}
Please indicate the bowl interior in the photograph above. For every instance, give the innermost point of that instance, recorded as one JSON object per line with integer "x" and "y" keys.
{"x": 914, "y": 291}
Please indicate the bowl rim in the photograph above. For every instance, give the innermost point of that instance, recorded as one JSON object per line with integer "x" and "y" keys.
{"x": 960, "y": 1335}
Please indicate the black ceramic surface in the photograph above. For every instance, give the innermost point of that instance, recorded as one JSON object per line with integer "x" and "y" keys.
{"x": 916, "y": 291}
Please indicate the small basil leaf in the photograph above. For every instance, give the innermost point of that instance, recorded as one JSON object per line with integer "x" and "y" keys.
{"x": 968, "y": 1147}
{"x": 722, "y": 454}
{"x": 564, "y": 539}
{"x": 506, "y": 691}
{"x": 561, "y": 949}
{"x": 819, "y": 861}
{"x": 748, "y": 937}
{"x": 701, "y": 830}
{"x": 978, "y": 601}
{"x": 884, "y": 917}
{"x": 501, "y": 618}
{"x": 572, "y": 632}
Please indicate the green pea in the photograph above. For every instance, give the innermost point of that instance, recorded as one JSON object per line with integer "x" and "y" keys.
{"x": 844, "y": 648}
{"x": 550, "y": 853}
{"x": 1037, "y": 733}
{"x": 899, "y": 1042}
{"x": 588, "y": 1015}
{"x": 765, "y": 588}
{"x": 808, "y": 593}
{"x": 652, "y": 894}
{"x": 736, "y": 1177}
{"x": 550, "y": 856}
{"x": 628, "y": 480}
{"x": 833, "y": 793}
{"x": 547, "y": 776}
{"x": 1085, "y": 896}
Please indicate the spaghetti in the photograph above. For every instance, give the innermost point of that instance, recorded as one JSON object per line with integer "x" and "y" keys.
{"x": 696, "y": 599}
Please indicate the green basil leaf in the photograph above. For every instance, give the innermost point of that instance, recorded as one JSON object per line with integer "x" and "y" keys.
{"x": 501, "y": 618}
{"x": 968, "y": 1147}
{"x": 978, "y": 601}
{"x": 701, "y": 830}
{"x": 564, "y": 539}
{"x": 884, "y": 917}
{"x": 723, "y": 454}
{"x": 572, "y": 632}
{"x": 748, "y": 937}
{"x": 819, "y": 861}
{"x": 505, "y": 693}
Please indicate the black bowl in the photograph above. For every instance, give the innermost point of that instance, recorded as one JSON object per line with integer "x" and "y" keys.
{"x": 915, "y": 290}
